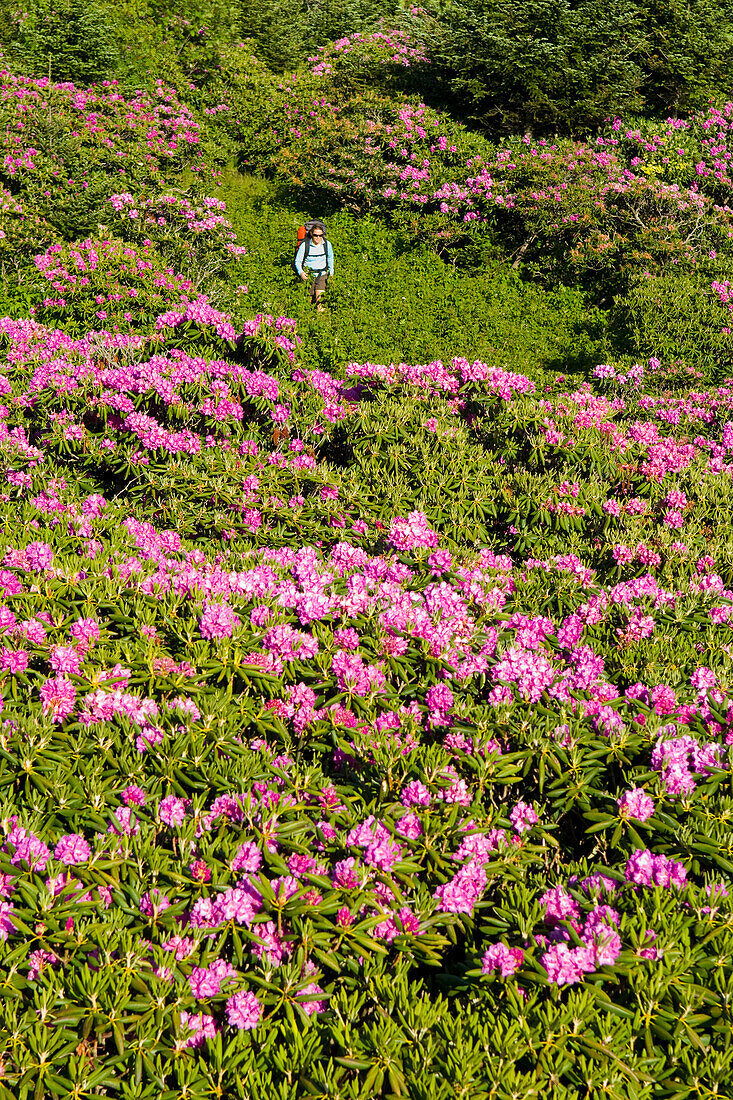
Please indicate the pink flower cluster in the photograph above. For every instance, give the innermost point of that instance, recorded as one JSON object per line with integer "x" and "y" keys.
{"x": 412, "y": 532}
{"x": 600, "y": 943}
{"x": 507, "y": 960}
{"x": 647, "y": 869}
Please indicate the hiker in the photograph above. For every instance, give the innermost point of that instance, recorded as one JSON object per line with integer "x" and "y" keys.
{"x": 316, "y": 255}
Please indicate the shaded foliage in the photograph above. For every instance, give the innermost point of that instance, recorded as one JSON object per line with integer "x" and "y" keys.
{"x": 553, "y": 64}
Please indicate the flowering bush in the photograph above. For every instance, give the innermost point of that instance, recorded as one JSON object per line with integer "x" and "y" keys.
{"x": 365, "y": 727}
{"x": 65, "y": 149}
{"x": 351, "y": 61}
{"x": 103, "y": 282}
{"x": 195, "y": 237}
{"x": 255, "y": 785}
{"x": 85, "y": 166}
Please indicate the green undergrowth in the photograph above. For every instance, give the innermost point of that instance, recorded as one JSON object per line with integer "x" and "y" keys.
{"x": 393, "y": 301}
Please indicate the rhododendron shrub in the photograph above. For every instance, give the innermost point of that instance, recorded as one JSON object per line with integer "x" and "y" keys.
{"x": 190, "y": 232}
{"x": 111, "y": 137}
{"x": 103, "y": 283}
{"x": 325, "y": 741}
{"x": 101, "y": 186}
{"x": 122, "y": 284}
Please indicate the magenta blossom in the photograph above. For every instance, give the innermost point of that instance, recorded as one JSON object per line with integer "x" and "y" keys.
{"x": 244, "y": 1011}
{"x": 58, "y": 697}
{"x": 636, "y": 803}
{"x": 506, "y": 960}
{"x": 218, "y": 621}
{"x": 196, "y": 1029}
{"x": 523, "y": 817}
{"x": 71, "y": 849}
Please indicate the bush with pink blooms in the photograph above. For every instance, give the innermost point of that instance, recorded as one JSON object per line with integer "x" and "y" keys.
{"x": 104, "y": 170}
{"x": 330, "y": 741}
{"x": 66, "y": 149}
{"x": 365, "y": 719}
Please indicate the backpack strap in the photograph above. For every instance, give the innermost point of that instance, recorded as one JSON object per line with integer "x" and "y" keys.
{"x": 308, "y": 240}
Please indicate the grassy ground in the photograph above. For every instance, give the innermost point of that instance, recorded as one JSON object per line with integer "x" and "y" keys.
{"x": 391, "y": 301}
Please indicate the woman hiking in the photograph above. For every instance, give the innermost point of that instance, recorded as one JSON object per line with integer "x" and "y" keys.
{"x": 316, "y": 255}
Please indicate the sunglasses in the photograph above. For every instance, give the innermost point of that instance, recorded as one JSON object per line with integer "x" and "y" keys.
{"x": 316, "y": 235}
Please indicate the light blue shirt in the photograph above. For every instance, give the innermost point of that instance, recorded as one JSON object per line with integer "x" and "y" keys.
{"x": 318, "y": 260}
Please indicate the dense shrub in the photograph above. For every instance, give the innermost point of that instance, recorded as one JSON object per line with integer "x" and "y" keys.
{"x": 287, "y": 34}
{"x": 188, "y": 230}
{"x": 255, "y": 797}
{"x": 66, "y": 41}
{"x": 66, "y": 150}
{"x": 678, "y": 317}
{"x": 102, "y": 282}
{"x": 84, "y": 165}
{"x": 555, "y": 65}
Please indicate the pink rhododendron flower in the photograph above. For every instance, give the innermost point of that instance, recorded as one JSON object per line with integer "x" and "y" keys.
{"x": 566, "y": 966}
{"x": 412, "y": 532}
{"x": 416, "y": 793}
{"x": 206, "y": 982}
{"x": 58, "y": 697}
{"x": 523, "y": 817}
{"x": 506, "y": 960}
{"x": 153, "y": 902}
{"x": 172, "y": 810}
{"x": 39, "y": 555}
{"x": 636, "y": 803}
{"x": 244, "y": 1011}
{"x": 123, "y": 823}
{"x": 38, "y": 960}
{"x": 7, "y": 927}
{"x": 462, "y": 893}
{"x": 72, "y": 849}
{"x": 65, "y": 659}
{"x": 196, "y": 1029}
{"x": 13, "y": 660}
{"x": 218, "y": 621}
{"x": 559, "y": 905}
{"x": 648, "y": 869}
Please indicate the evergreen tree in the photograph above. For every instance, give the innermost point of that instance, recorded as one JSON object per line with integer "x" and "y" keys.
{"x": 687, "y": 53}
{"x": 568, "y": 64}
{"x": 287, "y": 32}
{"x": 68, "y": 40}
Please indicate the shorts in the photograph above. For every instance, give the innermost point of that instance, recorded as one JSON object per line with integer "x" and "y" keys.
{"x": 320, "y": 279}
